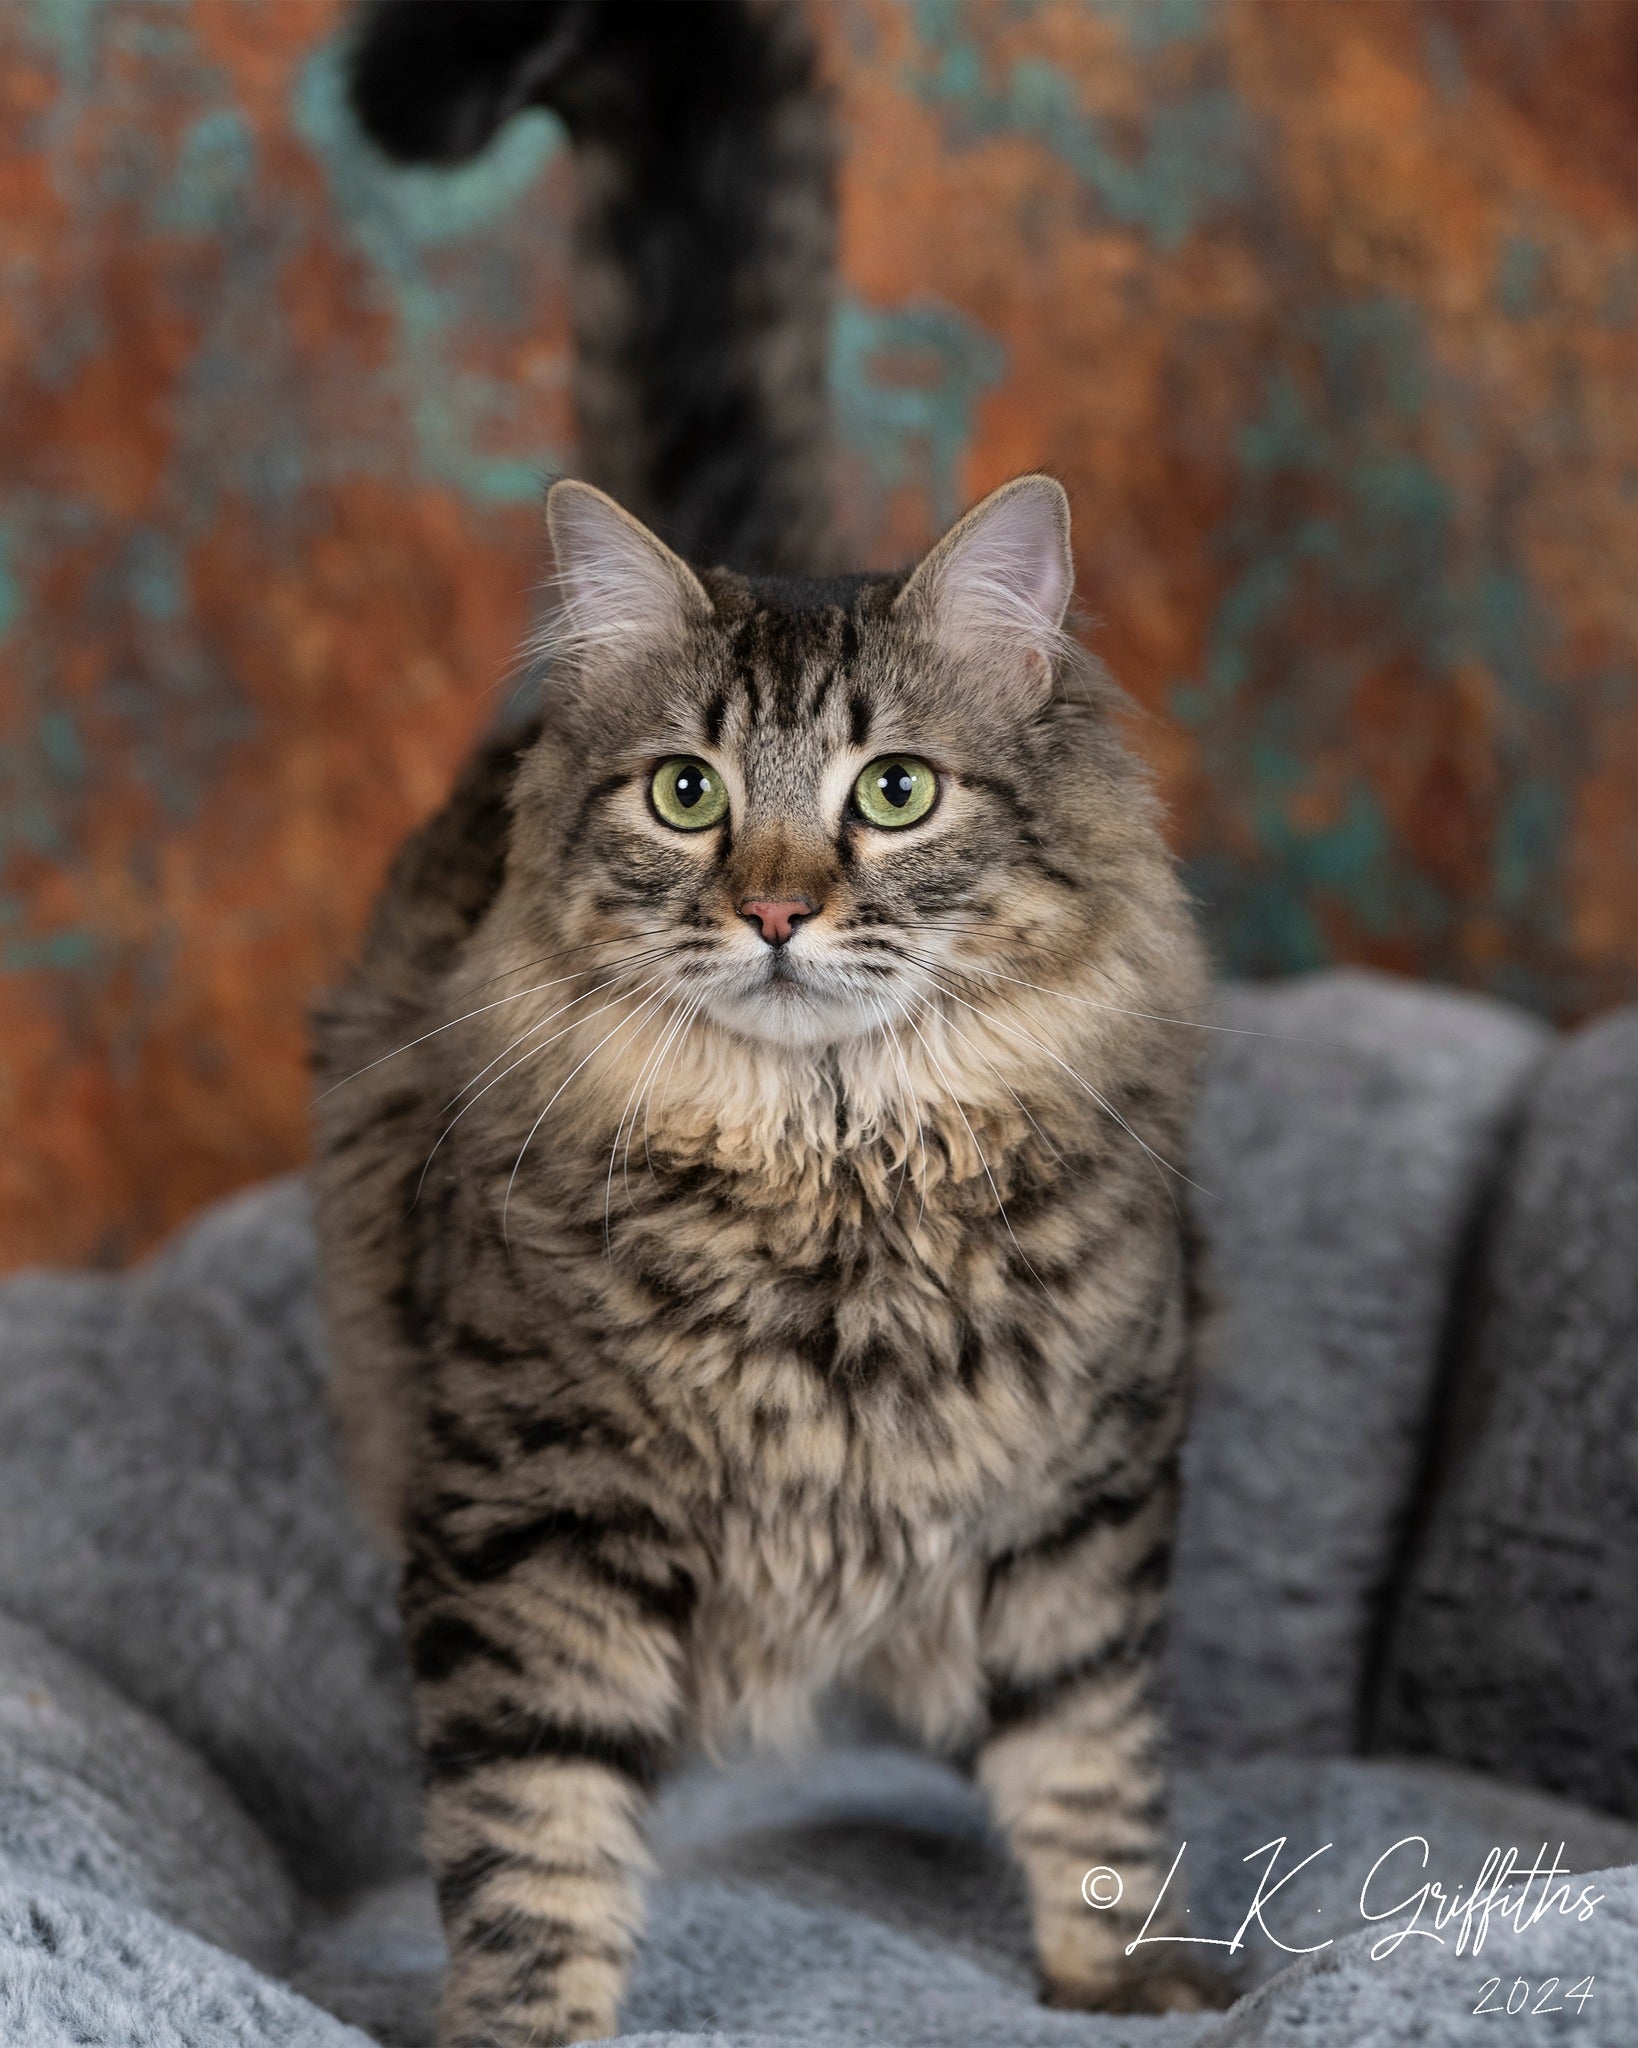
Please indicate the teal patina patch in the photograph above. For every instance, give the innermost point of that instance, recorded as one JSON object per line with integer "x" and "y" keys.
{"x": 1152, "y": 25}
{"x": 11, "y": 596}
{"x": 44, "y": 763}
{"x": 71, "y": 27}
{"x": 1519, "y": 278}
{"x": 1346, "y": 521}
{"x": 399, "y": 218}
{"x": 213, "y": 178}
{"x": 61, "y": 749}
{"x": 67, "y": 948}
{"x": 1193, "y": 162}
{"x": 154, "y": 576}
{"x": 904, "y": 384}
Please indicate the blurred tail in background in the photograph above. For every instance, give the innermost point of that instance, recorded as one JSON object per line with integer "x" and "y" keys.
{"x": 704, "y": 237}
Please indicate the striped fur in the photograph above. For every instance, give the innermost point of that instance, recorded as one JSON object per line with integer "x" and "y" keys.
{"x": 703, "y": 1344}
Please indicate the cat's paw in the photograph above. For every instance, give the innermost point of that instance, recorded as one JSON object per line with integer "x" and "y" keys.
{"x": 1169, "y": 1987}
{"x": 554, "y": 2024}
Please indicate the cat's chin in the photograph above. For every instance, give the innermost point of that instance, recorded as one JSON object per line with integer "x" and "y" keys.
{"x": 791, "y": 1015}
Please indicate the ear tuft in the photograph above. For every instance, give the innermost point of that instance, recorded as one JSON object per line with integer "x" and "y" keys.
{"x": 1002, "y": 577}
{"x": 619, "y": 587}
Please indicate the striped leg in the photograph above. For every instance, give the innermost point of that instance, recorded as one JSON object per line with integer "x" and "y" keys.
{"x": 1072, "y": 1760}
{"x": 547, "y": 1689}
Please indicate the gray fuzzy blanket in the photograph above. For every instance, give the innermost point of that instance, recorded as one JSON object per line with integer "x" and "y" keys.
{"x": 1411, "y": 1525}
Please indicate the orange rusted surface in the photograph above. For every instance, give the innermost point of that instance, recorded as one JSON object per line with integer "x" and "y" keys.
{"x": 1326, "y": 315}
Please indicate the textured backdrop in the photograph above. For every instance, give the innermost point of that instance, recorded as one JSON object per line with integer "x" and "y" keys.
{"x": 1326, "y": 314}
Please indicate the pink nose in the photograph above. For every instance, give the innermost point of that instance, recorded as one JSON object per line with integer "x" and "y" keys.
{"x": 776, "y": 921}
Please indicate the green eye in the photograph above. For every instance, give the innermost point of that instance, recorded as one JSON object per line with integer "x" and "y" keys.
{"x": 688, "y": 795}
{"x": 896, "y": 790}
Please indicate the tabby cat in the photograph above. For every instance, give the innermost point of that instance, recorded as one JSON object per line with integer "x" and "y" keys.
{"x": 745, "y": 1193}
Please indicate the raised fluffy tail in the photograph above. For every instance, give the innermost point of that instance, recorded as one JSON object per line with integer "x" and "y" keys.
{"x": 704, "y": 243}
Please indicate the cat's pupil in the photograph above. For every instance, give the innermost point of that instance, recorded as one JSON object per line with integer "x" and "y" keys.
{"x": 897, "y": 784}
{"x": 691, "y": 785}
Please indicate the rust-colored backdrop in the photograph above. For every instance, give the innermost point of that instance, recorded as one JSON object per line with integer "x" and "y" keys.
{"x": 1326, "y": 313}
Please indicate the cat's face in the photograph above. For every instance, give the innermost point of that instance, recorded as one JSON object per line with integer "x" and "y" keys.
{"x": 799, "y": 810}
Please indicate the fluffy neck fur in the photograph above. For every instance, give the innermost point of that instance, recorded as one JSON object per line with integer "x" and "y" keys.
{"x": 951, "y": 1093}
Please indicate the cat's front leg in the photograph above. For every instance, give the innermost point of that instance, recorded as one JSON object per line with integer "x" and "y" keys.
{"x": 1072, "y": 1759}
{"x": 546, "y": 1654}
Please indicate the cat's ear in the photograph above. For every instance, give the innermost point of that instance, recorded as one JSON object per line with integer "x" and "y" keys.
{"x": 618, "y": 586}
{"x": 999, "y": 583}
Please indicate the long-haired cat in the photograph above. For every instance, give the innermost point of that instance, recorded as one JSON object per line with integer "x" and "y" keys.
{"x": 745, "y": 1195}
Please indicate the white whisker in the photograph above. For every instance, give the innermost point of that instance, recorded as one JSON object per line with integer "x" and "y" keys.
{"x": 632, "y": 1102}
{"x": 539, "y": 1024}
{"x": 1001, "y": 1206}
{"x": 658, "y": 996}
{"x": 533, "y": 1053}
{"x": 1080, "y": 1081}
{"x": 658, "y": 931}
{"x": 965, "y": 968}
{"x": 484, "y": 1008}
{"x": 990, "y": 1066}
{"x": 696, "y": 1005}
{"x": 907, "y": 1096}
{"x": 674, "y": 1038}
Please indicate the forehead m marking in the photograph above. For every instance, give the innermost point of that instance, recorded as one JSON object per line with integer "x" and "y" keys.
{"x": 780, "y": 649}
{"x": 797, "y": 665}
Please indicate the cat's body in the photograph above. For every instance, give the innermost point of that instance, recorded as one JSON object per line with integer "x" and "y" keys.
{"x": 748, "y": 1242}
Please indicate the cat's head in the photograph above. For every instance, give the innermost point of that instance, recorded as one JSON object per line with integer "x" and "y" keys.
{"x": 804, "y": 806}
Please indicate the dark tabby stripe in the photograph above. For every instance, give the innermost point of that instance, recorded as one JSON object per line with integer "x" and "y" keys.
{"x": 464, "y": 1745}
{"x": 442, "y": 1645}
